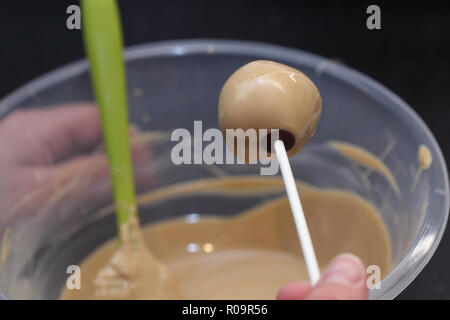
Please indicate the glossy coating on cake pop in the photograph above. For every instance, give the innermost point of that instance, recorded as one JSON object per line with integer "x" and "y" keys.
{"x": 269, "y": 95}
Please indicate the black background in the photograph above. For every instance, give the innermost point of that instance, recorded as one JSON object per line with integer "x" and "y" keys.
{"x": 409, "y": 55}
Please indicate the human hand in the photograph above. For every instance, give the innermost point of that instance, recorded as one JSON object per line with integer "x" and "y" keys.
{"x": 343, "y": 279}
{"x": 51, "y": 151}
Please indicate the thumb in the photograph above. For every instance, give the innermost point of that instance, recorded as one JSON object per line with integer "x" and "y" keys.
{"x": 343, "y": 279}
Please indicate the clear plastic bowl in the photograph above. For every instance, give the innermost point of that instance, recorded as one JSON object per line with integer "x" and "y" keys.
{"x": 172, "y": 84}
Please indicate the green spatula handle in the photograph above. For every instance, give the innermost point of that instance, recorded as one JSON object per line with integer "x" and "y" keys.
{"x": 103, "y": 41}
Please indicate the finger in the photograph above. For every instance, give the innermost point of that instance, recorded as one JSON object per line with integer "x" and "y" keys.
{"x": 53, "y": 134}
{"x": 294, "y": 291}
{"x": 70, "y": 187}
{"x": 93, "y": 176}
{"x": 343, "y": 279}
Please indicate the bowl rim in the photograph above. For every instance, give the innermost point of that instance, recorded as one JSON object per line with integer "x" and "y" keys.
{"x": 406, "y": 271}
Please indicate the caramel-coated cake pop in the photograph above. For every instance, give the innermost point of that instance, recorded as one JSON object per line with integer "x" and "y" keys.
{"x": 269, "y": 95}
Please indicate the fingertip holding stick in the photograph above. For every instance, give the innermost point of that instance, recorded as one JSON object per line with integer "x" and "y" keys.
{"x": 297, "y": 212}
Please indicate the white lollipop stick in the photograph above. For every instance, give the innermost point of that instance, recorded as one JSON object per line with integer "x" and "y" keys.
{"x": 297, "y": 212}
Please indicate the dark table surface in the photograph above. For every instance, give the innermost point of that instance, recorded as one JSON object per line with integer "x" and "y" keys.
{"x": 410, "y": 54}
